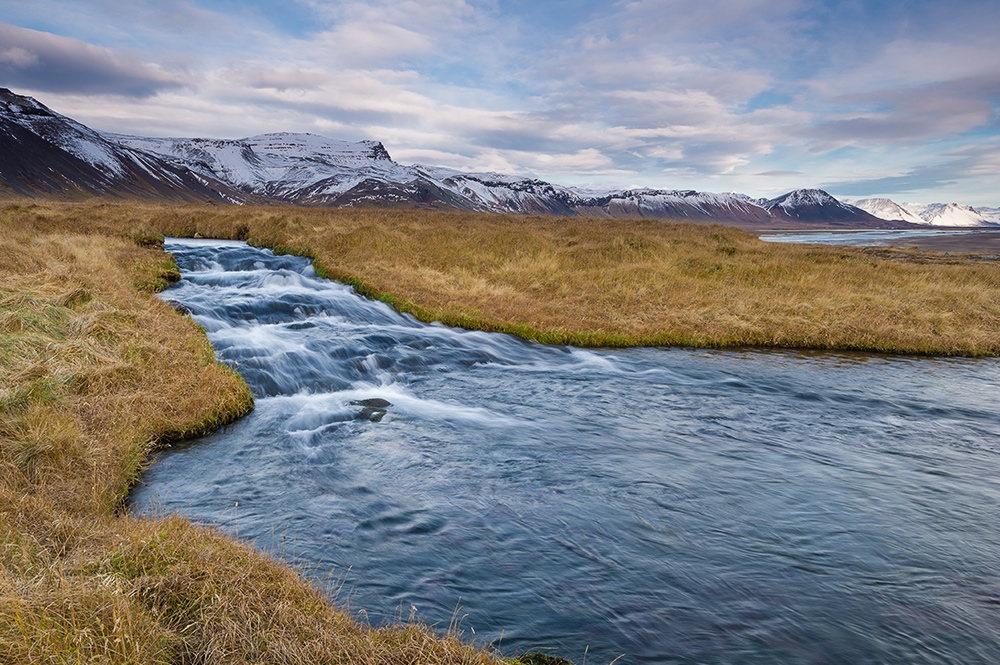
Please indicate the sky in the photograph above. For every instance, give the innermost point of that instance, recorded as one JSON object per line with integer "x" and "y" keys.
{"x": 896, "y": 99}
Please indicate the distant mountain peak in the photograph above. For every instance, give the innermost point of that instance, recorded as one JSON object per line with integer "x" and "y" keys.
{"x": 888, "y": 210}
{"x": 953, "y": 214}
{"x": 816, "y": 204}
{"x": 802, "y": 197}
{"x": 13, "y": 103}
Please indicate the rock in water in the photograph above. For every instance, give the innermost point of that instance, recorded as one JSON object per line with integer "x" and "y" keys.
{"x": 377, "y": 402}
{"x": 374, "y": 408}
{"x": 179, "y": 307}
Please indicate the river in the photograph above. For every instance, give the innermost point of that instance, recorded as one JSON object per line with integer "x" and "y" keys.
{"x": 663, "y": 505}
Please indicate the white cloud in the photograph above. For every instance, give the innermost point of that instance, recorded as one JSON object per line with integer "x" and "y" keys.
{"x": 362, "y": 44}
{"x": 18, "y": 57}
{"x": 43, "y": 61}
{"x": 908, "y": 63}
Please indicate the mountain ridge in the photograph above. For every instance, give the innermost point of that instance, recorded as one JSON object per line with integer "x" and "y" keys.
{"x": 43, "y": 153}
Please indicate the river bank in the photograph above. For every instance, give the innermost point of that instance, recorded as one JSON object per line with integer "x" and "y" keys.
{"x": 972, "y": 242}
{"x": 95, "y": 374}
{"x": 961, "y": 244}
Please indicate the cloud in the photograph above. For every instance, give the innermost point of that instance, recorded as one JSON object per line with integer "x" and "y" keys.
{"x": 282, "y": 80}
{"x": 966, "y": 163}
{"x": 922, "y": 178}
{"x": 908, "y": 94}
{"x": 381, "y": 33}
{"x": 659, "y": 92}
{"x": 42, "y": 61}
{"x": 364, "y": 44}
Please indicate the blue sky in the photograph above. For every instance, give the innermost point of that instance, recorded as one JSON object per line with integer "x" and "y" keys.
{"x": 899, "y": 98}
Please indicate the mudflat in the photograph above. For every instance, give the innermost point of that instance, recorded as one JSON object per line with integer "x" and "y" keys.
{"x": 978, "y": 242}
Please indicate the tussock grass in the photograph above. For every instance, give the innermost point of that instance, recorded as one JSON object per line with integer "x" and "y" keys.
{"x": 94, "y": 373}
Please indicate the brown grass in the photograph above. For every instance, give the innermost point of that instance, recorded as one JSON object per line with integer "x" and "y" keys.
{"x": 607, "y": 282}
{"x": 94, "y": 373}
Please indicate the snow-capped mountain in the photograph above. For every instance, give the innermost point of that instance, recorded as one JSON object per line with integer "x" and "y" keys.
{"x": 934, "y": 214}
{"x": 992, "y": 215}
{"x": 888, "y": 210}
{"x": 302, "y": 168}
{"x": 816, "y": 205}
{"x": 949, "y": 214}
{"x": 43, "y": 153}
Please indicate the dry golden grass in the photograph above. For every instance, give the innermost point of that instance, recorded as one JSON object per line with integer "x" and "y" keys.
{"x": 95, "y": 372}
{"x": 606, "y": 282}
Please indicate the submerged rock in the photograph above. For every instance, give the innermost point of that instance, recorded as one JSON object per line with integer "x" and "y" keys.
{"x": 374, "y": 408}
{"x": 535, "y": 658}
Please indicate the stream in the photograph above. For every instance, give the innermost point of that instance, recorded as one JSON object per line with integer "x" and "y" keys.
{"x": 661, "y": 505}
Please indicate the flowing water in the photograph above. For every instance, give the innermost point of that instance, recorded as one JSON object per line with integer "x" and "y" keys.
{"x": 869, "y": 238}
{"x": 671, "y": 505}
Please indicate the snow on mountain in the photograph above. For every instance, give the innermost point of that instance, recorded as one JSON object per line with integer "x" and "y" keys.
{"x": 291, "y": 167}
{"x": 42, "y": 152}
{"x": 817, "y": 205}
{"x": 749, "y": 199}
{"x": 231, "y": 161}
{"x": 62, "y": 132}
{"x": 888, "y": 210}
{"x": 495, "y": 192}
{"x": 678, "y": 203}
{"x": 934, "y": 214}
{"x": 801, "y": 198}
{"x": 992, "y": 215}
{"x": 505, "y": 193}
{"x": 948, "y": 214}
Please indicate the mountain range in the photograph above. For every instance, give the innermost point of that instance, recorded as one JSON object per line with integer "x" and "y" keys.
{"x": 47, "y": 155}
{"x": 934, "y": 214}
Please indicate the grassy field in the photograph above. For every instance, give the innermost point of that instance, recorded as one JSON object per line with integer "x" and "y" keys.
{"x": 607, "y": 282}
{"x": 95, "y": 373}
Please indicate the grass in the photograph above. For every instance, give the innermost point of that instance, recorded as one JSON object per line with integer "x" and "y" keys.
{"x": 95, "y": 373}
{"x": 606, "y": 282}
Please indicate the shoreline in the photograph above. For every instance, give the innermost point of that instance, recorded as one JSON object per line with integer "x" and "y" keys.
{"x": 972, "y": 241}
{"x": 615, "y": 283}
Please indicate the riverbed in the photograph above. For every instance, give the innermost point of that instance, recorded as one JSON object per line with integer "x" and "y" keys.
{"x": 662, "y": 505}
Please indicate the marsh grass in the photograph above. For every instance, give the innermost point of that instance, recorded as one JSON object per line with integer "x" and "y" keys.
{"x": 605, "y": 282}
{"x": 94, "y": 374}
